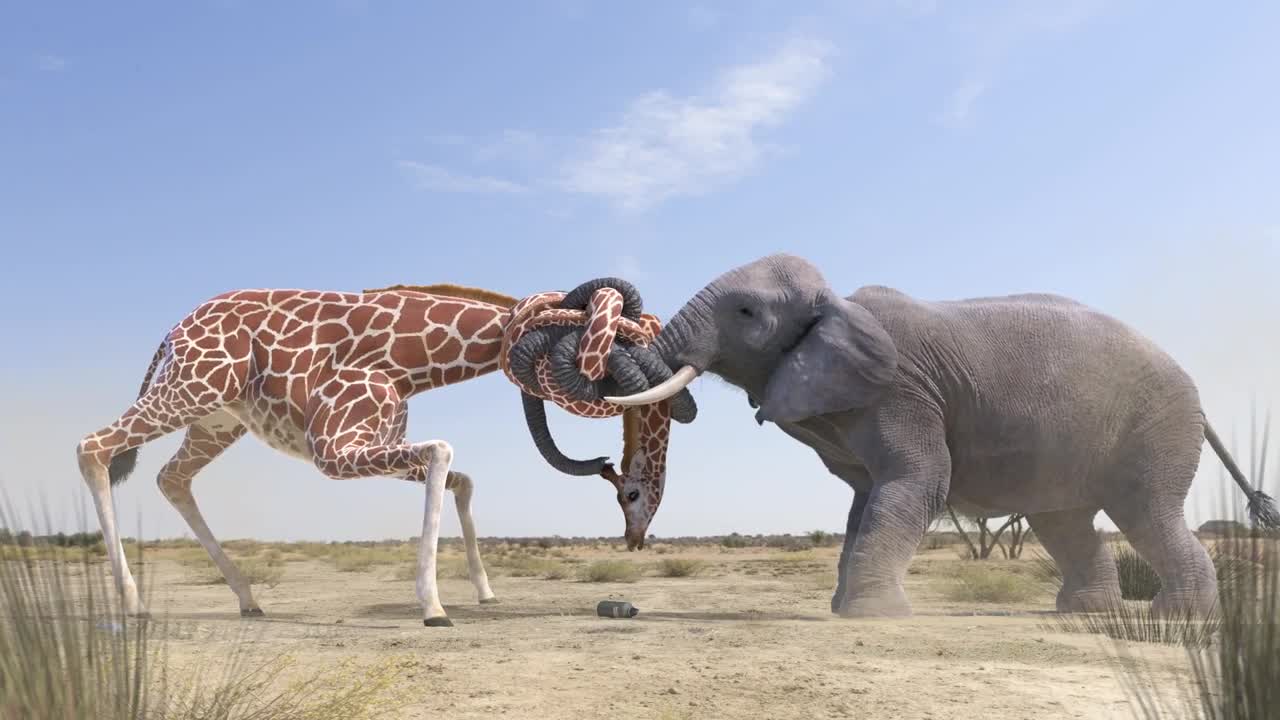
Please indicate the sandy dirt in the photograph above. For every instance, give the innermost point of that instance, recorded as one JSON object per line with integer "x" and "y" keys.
{"x": 748, "y": 637}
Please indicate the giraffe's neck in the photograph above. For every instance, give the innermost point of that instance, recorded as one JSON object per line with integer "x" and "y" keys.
{"x": 441, "y": 340}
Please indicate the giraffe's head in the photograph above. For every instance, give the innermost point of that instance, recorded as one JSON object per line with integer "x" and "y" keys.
{"x": 573, "y": 348}
{"x": 645, "y": 431}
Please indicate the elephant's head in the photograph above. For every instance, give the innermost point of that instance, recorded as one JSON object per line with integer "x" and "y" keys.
{"x": 775, "y": 329}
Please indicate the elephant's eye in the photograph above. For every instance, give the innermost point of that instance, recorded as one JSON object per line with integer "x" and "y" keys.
{"x": 633, "y": 495}
{"x": 746, "y": 312}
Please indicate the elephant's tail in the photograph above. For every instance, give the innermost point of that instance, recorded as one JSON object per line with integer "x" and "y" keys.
{"x": 1262, "y": 509}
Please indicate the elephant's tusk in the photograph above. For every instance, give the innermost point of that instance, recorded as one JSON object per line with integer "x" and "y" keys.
{"x": 660, "y": 392}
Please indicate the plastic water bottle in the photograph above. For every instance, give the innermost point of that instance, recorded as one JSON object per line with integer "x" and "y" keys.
{"x": 616, "y": 609}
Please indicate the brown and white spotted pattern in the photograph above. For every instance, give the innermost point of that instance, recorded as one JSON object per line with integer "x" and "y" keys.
{"x": 321, "y": 376}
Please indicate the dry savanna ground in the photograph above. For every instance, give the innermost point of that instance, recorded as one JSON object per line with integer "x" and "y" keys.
{"x": 723, "y": 632}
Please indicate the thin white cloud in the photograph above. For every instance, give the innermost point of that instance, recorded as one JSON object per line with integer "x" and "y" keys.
{"x": 668, "y": 146}
{"x": 994, "y": 39}
{"x": 51, "y": 63}
{"x": 439, "y": 179}
{"x": 960, "y": 104}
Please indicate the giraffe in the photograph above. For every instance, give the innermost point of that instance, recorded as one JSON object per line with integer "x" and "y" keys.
{"x": 324, "y": 377}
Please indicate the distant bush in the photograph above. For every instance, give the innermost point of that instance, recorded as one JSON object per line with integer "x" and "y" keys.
{"x": 526, "y": 565}
{"x": 603, "y": 571}
{"x": 821, "y": 538}
{"x": 359, "y": 559}
{"x": 733, "y": 540}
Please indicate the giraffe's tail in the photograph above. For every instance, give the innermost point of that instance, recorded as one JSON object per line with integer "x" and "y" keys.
{"x": 122, "y": 464}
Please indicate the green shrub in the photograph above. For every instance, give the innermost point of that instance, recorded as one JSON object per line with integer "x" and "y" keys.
{"x": 733, "y": 540}
{"x": 1138, "y": 580}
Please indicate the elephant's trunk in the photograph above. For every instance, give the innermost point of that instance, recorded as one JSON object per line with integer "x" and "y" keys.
{"x": 684, "y": 343}
{"x": 535, "y": 416}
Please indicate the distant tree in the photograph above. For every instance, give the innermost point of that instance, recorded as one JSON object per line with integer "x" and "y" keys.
{"x": 988, "y": 539}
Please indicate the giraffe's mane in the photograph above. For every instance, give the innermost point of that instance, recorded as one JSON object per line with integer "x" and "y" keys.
{"x": 458, "y": 291}
{"x": 630, "y": 436}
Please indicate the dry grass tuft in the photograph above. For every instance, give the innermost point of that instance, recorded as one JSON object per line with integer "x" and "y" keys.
{"x": 605, "y": 571}
{"x": 360, "y": 559}
{"x": 985, "y": 583}
{"x": 67, "y": 651}
{"x": 258, "y": 571}
{"x": 680, "y": 567}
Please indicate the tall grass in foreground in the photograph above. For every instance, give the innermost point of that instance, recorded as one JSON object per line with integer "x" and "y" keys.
{"x": 68, "y": 652}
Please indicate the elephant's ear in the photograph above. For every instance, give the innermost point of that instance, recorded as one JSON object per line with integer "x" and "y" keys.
{"x": 842, "y": 362}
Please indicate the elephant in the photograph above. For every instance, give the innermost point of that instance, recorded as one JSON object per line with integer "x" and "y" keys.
{"x": 1028, "y": 403}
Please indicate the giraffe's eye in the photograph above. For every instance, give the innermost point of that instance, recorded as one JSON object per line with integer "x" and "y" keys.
{"x": 633, "y": 495}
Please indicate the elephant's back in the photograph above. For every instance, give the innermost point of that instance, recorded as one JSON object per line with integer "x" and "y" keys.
{"x": 1036, "y": 386}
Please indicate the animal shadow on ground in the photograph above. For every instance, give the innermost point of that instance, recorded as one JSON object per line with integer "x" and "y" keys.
{"x": 471, "y": 613}
{"x": 728, "y": 616}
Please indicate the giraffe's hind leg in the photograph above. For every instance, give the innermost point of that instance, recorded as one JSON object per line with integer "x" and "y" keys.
{"x": 177, "y": 398}
{"x": 206, "y": 440}
{"x": 462, "y": 487}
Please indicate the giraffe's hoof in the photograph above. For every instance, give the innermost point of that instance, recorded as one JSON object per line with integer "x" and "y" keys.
{"x": 441, "y": 621}
{"x": 142, "y": 615}
{"x": 251, "y": 612}
{"x": 489, "y": 601}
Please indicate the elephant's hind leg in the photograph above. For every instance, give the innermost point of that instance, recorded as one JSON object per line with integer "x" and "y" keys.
{"x": 1089, "y": 579}
{"x": 1150, "y": 514}
{"x": 1188, "y": 580}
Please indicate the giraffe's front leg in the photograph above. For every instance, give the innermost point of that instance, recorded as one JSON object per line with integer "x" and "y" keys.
{"x": 439, "y": 456}
{"x": 355, "y": 430}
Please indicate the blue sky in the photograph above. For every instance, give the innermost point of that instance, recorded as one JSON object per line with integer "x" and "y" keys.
{"x": 153, "y": 155}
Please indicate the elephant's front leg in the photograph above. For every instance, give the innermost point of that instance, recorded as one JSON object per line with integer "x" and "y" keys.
{"x": 850, "y": 535}
{"x": 911, "y": 473}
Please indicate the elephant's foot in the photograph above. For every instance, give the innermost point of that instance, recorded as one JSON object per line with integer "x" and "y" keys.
{"x": 1088, "y": 600}
{"x": 875, "y": 602}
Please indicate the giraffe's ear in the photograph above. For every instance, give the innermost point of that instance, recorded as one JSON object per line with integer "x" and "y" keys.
{"x": 630, "y": 437}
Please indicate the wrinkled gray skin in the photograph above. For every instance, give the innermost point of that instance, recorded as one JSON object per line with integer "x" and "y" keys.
{"x": 1029, "y": 403}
